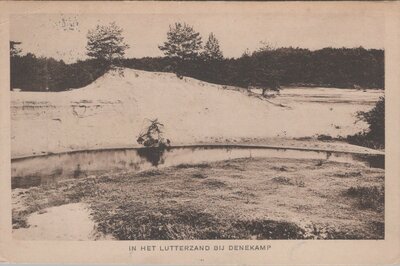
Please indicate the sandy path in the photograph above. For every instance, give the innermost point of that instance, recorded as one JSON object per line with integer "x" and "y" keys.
{"x": 66, "y": 222}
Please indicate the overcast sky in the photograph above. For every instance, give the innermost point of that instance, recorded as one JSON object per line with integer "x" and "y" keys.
{"x": 64, "y": 36}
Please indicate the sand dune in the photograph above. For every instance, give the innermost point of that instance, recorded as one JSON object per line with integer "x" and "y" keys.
{"x": 112, "y": 111}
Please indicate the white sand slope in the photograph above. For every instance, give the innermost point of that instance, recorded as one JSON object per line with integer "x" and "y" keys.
{"x": 66, "y": 222}
{"x": 111, "y": 112}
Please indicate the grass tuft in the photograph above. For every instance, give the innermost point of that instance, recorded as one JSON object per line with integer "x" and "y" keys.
{"x": 201, "y": 165}
{"x": 282, "y": 180}
{"x": 349, "y": 174}
{"x": 214, "y": 184}
{"x": 148, "y": 173}
{"x": 368, "y": 197}
{"x": 199, "y": 176}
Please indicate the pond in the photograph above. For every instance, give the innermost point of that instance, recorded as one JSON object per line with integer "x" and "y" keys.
{"x": 35, "y": 171}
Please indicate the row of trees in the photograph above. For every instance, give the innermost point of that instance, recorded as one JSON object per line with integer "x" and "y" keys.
{"x": 328, "y": 67}
{"x": 186, "y": 55}
{"x": 266, "y": 67}
{"x": 184, "y": 43}
{"x": 31, "y": 73}
{"x": 107, "y": 44}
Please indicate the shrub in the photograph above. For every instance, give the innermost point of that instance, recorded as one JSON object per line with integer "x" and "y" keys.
{"x": 152, "y": 136}
{"x": 374, "y": 137}
{"x": 282, "y": 180}
{"x": 324, "y": 137}
{"x": 199, "y": 175}
{"x": 155, "y": 143}
{"x": 368, "y": 197}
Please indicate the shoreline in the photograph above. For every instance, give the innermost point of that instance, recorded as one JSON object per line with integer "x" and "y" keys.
{"x": 341, "y": 147}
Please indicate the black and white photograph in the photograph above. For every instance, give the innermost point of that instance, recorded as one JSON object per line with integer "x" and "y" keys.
{"x": 200, "y": 126}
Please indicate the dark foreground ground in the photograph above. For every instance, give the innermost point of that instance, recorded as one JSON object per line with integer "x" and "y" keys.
{"x": 238, "y": 199}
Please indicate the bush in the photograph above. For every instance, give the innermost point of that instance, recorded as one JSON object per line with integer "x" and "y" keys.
{"x": 324, "y": 137}
{"x": 368, "y": 197}
{"x": 152, "y": 135}
{"x": 154, "y": 142}
{"x": 376, "y": 120}
{"x": 374, "y": 137}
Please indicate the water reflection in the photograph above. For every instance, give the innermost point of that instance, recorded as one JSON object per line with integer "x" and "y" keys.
{"x": 154, "y": 155}
{"x": 51, "y": 168}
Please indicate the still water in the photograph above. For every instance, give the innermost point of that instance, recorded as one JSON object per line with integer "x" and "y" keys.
{"x": 35, "y": 171}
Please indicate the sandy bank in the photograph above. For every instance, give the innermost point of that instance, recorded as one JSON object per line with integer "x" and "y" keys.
{"x": 112, "y": 111}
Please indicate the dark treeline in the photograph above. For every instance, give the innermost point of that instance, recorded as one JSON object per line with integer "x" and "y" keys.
{"x": 328, "y": 67}
{"x": 30, "y": 73}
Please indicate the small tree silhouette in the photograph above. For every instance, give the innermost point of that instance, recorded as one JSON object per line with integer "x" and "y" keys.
{"x": 183, "y": 42}
{"x": 152, "y": 136}
{"x": 14, "y": 50}
{"x": 211, "y": 49}
{"x": 154, "y": 142}
{"x": 106, "y": 44}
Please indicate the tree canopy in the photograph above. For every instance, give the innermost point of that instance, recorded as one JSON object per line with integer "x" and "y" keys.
{"x": 14, "y": 50}
{"x": 106, "y": 43}
{"x": 211, "y": 49}
{"x": 183, "y": 42}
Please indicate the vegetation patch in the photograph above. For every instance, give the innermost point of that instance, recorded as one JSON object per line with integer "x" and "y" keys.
{"x": 289, "y": 181}
{"x": 200, "y": 165}
{"x": 174, "y": 205}
{"x": 374, "y": 137}
{"x": 214, "y": 184}
{"x": 138, "y": 222}
{"x": 199, "y": 176}
{"x": 151, "y": 172}
{"x": 368, "y": 197}
{"x": 280, "y": 168}
{"x": 324, "y": 137}
{"x": 233, "y": 165}
{"x": 269, "y": 229}
{"x": 283, "y": 180}
{"x": 349, "y": 174}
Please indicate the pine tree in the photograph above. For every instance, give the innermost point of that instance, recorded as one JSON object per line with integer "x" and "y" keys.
{"x": 14, "y": 50}
{"x": 183, "y": 42}
{"x": 106, "y": 43}
{"x": 211, "y": 49}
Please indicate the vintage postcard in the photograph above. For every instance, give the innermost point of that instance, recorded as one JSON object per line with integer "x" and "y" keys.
{"x": 199, "y": 133}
